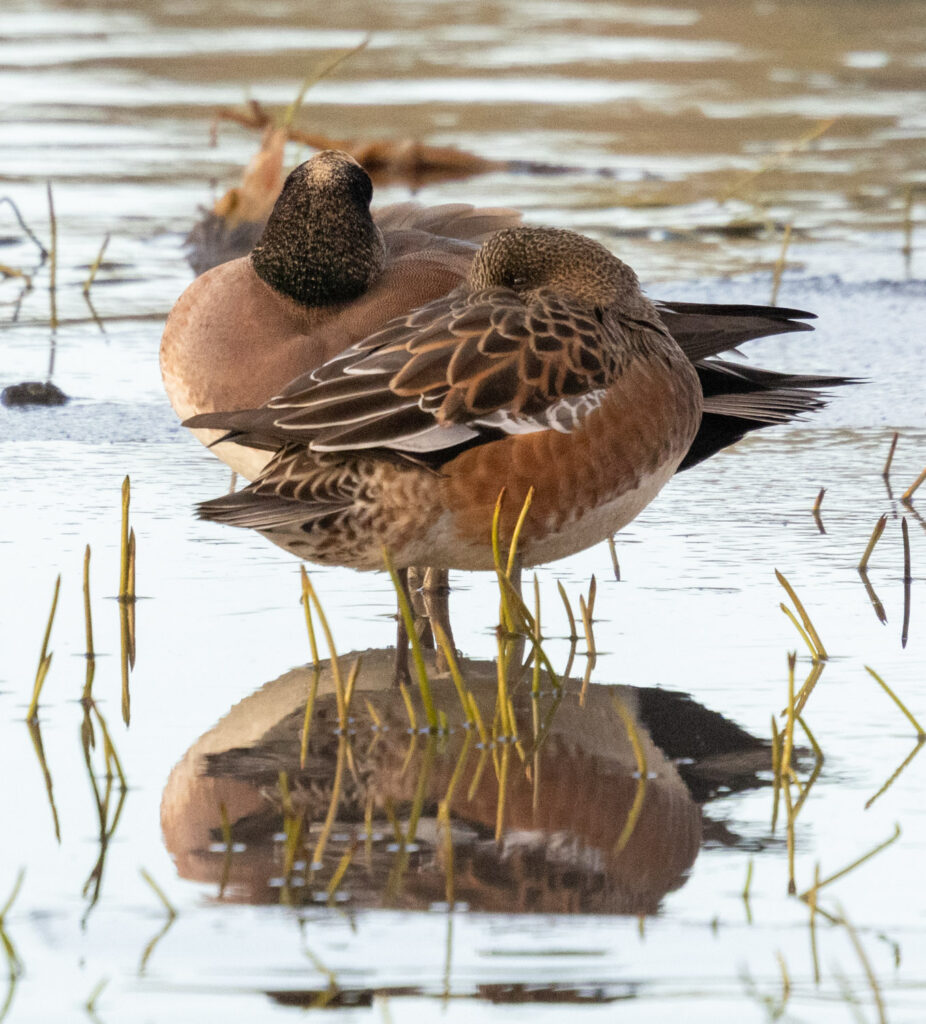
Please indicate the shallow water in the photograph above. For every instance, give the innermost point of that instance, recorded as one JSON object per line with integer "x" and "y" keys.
{"x": 681, "y": 129}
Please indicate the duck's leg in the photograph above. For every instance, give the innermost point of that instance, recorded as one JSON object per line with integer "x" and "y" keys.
{"x": 436, "y": 594}
{"x": 402, "y": 674}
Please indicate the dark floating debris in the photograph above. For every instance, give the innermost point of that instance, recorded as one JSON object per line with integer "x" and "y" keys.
{"x": 33, "y": 392}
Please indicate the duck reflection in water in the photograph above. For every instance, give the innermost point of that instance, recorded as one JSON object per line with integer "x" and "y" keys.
{"x": 558, "y": 819}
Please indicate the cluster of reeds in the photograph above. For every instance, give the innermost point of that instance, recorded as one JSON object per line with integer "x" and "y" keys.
{"x": 492, "y": 742}
{"x": 107, "y": 780}
{"x": 49, "y": 255}
{"x": 790, "y": 789}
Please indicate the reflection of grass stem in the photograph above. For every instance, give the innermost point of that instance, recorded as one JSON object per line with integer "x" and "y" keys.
{"x": 340, "y": 870}
{"x": 897, "y": 772}
{"x": 35, "y": 734}
{"x": 866, "y": 966}
{"x": 333, "y": 654}
{"x": 614, "y": 562}
{"x": 812, "y": 903}
{"x": 747, "y": 885}
{"x": 907, "y": 582}
{"x": 52, "y": 260}
{"x": 95, "y": 266}
{"x": 851, "y": 867}
{"x": 639, "y": 796}
{"x": 44, "y": 658}
{"x": 227, "y": 852}
{"x": 920, "y": 735}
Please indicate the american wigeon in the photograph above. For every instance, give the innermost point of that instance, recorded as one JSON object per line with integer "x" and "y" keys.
{"x": 325, "y": 274}
{"x": 547, "y": 369}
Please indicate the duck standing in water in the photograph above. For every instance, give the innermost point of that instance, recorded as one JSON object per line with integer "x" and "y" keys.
{"x": 545, "y": 367}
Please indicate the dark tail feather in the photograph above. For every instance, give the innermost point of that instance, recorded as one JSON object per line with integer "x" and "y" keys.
{"x": 740, "y": 398}
{"x": 258, "y": 511}
{"x": 703, "y": 329}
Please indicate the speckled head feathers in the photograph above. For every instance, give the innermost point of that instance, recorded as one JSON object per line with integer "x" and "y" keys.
{"x": 320, "y": 246}
{"x": 527, "y": 258}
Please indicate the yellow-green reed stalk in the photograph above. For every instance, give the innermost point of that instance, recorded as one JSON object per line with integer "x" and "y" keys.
{"x": 44, "y": 658}
{"x": 866, "y": 966}
{"x": 789, "y": 832}
{"x": 535, "y": 676}
{"x": 640, "y": 756}
{"x": 368, "y": 830}
{"x": 95, "y": 266}
{"x": 591, "y": 652}
{"x": 799, "y": 628}
{"x": 443, "y": 815}
{"x": 424, "y": 684}
{"x": 305, "y": 600}
{"x": 88, "y": 629}
{"x": 505, "y": 761}
{"x": 400, "y": 864}
{"x": 818, "y": 502}
{"x": 920, "y": 735}
{"x": 293, "y": 822}
{"x": 340, "y": 871}
{"x": 328, "y": 824}
{"x": 788, "y": 742}
{"x": 332, "y": 652}
{"x": 907, "y": 496}
{"x": 124, "y": 543}
{"x": 897, "y": 772}
{"x": 227, "y": 852}
{"x": 907, "y": 582}
{"x": 780, "y": 263}
{"x": 573, "y": 632}
{"x": 454, "y": 668}
{"x": 886, "y": 472}
{"x": 53, "y": 259}
{"x": 856, "y": 863}
{"x": 875, "y": 537}
{"x": 320, "y": 72}
{"x": 307, "y": 718}
{"x": 805, "y": 618}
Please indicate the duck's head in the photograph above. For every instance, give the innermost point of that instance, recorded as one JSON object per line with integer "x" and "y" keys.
{"x": 526, "y": 259}
{"x": 320, "y": 246}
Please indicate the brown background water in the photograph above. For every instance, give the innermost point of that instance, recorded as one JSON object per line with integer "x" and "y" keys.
{"x": 683, "y": 128}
